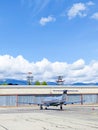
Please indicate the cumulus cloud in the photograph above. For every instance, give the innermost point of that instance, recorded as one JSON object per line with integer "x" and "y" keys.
{"x": 90, "y": 3}
{"x": 79, "y": 9}
{"x": 18, "y": 68}
{"x": 44, "y": 20}
{"x": 77, "y": 65}
{"x": 95, "y": 16}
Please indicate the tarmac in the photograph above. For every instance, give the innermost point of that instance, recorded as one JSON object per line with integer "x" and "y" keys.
{"x": 72, "y": 117}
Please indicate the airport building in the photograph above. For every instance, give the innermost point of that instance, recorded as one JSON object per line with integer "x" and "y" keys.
{"x": 15, "y": 95}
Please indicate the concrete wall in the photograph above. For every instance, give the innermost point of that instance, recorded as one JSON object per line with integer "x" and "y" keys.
{"x": 45, "y": 90}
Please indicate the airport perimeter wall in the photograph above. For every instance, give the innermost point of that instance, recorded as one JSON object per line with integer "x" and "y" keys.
{"x": 14, "y": 95}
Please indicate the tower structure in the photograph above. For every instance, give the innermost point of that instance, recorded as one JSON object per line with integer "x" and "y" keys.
{"x": 60, "y": 80}
{"x": 29, "y": 78}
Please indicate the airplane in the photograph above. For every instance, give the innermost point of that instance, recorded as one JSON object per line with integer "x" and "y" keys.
{"x": 55, "y": 102}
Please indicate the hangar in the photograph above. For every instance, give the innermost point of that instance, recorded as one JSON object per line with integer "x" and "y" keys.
{"x": 12, "y": 95}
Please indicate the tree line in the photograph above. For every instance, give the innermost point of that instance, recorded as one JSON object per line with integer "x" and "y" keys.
{"x": 35, "y": 83}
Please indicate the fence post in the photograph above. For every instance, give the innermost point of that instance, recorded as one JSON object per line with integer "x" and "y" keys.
{"x": 16, "y": 100}
{"x": 81, "y": 99}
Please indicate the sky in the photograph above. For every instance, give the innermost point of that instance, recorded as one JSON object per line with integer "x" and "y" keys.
{"x": 49, "y": 38}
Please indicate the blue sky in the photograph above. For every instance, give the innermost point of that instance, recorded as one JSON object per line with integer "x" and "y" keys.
{"x": 57, "y": 30}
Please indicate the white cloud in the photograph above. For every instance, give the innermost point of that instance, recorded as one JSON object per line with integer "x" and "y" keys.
{"x": 95, "y": 16}
{"x": 44, "y": 20}
{"x": 77, "y": 9}
{"x": 17, "y": 68}
{"x": 77, "y": 65}
{"x": 90, "y": 3}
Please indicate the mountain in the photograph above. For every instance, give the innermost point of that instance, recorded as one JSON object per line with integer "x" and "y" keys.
{"x": 24, "y": 82}
{"x": 51, "y": 83}
{"x": 13, "y": 82}
{"x": 20, "y": 82}
{"x": 80, "y": 84}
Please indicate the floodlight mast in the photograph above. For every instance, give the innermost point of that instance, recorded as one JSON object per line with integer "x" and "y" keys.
{"x": 29, "y": 78}
{"x": 60, "y": 80}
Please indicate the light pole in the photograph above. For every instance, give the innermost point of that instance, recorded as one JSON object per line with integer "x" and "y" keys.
{"x": 29, "y": 78}
{"x": 60, "y": 80}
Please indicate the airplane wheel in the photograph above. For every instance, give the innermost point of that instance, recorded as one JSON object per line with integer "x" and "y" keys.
{"x": 60, "y": 107}
{"x": 41, "y": 108}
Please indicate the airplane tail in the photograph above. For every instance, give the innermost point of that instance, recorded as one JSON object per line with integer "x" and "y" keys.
{"x": 64, "y": 95}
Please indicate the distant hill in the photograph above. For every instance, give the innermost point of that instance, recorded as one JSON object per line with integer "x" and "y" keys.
{"x": 19, "y": 82}
{"x": 51, "y": 83}
{"x": 85, "y": 84}
{"x": 24, "y": 82}
{"x": 13, "y": 81}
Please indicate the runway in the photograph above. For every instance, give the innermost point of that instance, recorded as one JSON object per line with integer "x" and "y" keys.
{"x": 72, "y": 117}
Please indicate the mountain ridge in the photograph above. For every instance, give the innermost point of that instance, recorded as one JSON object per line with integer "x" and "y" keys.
{"x": 24, "y": 82}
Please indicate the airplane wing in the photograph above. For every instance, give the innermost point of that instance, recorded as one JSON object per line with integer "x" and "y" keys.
{"x": 65, "y": 103}
{"x": 30, "y": 103}
{"x": 41, "y": 103}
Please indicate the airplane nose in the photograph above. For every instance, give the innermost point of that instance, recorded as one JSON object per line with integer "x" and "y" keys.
{"x": 65, "y": 92}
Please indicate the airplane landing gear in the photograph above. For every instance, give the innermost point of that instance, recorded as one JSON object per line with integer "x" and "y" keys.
{"x": 61, "y": 107}
{"x": 45, "y": 108}
{"x": 41, "y": 107}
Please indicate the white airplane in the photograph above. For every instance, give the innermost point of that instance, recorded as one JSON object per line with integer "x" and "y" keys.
{"x": 59, "y": 101}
